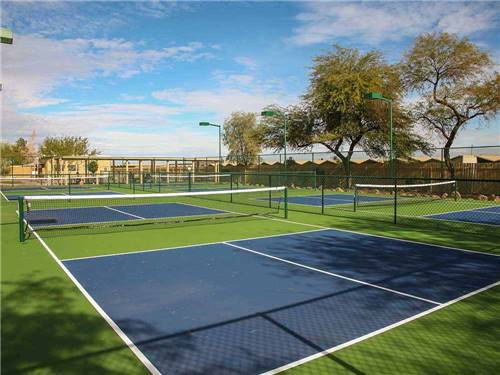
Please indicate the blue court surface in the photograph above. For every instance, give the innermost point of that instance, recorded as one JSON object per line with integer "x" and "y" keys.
{"x": 330, "y": 199}
{"x": 15, "y": 197}
{"x": 251, "y": 306}
{"x": 101, "y": 214}
{"x": 486, "y": 215}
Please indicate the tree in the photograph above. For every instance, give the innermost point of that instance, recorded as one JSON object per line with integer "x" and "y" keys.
{"x": 457, "y": 83}
{"x": 56, "y": 147}
{"x": 335, "y": 114}
{"x": 15, "y": 154}
{"x": 93, "y": 166}
{"x": 240, "y": 136}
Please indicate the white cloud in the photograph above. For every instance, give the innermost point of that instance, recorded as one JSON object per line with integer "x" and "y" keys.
{"x": 376, "y": 22}
{"x": 247, "y": 62}
{"x": 67, "y": 18}
{"x": 231, "y": 79}
{"x": 222, "y": 102}
{"x": 34, "y": 65}
{"x": 128, "y": 97}
{"x": 181, "y": 142}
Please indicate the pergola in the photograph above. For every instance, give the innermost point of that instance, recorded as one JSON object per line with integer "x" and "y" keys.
{"x": 151, "y": 164}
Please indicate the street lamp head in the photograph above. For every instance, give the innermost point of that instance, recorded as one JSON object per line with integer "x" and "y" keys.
{"x": 268, "y": 113}
{"x": 374, "y": 95}
{"x": 6, "y": 36}
{"x": 204, "y": 123}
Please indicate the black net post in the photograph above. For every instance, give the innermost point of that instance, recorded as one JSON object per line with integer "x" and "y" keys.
{"x": 355, "y": 197}
{"x": 20, "y": 207}
{"x": 69, "y": 184}
{"x": 231, "y": 187}
{"x": 455, "y": 191}
{"x": 190, "y": 183}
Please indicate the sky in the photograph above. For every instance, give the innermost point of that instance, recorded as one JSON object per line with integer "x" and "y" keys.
{"x": 136, "y": 78}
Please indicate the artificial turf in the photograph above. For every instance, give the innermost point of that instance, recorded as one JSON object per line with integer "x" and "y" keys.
{"x": 49, "y": 327}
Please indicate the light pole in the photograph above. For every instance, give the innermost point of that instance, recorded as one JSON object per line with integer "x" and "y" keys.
{"x": 5, "y": 38}
{"x": 379, "y": 96}
{"x": 205, "y": 123}
{"x": 272, "y": 114}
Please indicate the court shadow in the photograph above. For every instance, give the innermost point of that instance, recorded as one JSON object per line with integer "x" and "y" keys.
{"x": 47, "y": 328}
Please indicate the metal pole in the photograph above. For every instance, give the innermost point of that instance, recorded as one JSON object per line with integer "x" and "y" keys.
{"x": 285, "y": 143}
{"x": 220, "y": 154}
{"x": 286, "y": 203}
{"x": 20, "y": 207}
{"x": 391, "y": 151}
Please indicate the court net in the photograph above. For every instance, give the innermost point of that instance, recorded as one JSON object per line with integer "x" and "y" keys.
{"x": 374, "y": 195}
{"x": 80, "y": 212}
{"x": 15, "y": 183}
{"x": 191, "y": 182}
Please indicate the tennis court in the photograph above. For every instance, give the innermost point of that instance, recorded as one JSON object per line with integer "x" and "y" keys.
{"x": 330, "y": 199}
{"x": 223, "y": 293}
{"x": 487, "y": 215}
{"x": 87, "y": 215}
{"x": 263, "y": 304}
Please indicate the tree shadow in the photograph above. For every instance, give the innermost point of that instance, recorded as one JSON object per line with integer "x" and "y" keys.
{"x": 44, "y": 324}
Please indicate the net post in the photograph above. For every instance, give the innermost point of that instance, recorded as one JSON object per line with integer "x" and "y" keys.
{"x": 286, "y": 202}
{"x": 69, "y": 184}
{"x": 109, "y": 182}
{"x": 190, "y": 183}
{"x": 159, "y": 182}
{"x": 395, "y": 199}
{"x": 231, "y": 187}
{"x": 132, "y": 181}
{"x": 455, "y": 191}
{"x": 355, "y": 198}
{"x": 20, "y": 207}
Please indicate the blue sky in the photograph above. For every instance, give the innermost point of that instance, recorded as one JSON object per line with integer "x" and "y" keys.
{"x": 137, "y": 77}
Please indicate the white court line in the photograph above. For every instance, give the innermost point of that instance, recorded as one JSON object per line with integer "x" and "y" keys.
{"x": 145, "y": 361}
{"x": 186, "y": 246}
{"x": 387, "y": 237}
{"x": 124, "y": 212}
{"x": 377, "y": 332}
{"x": 3, "y": 195}
{"x": 331, "y": 273}
{"x": 304, "y": 360}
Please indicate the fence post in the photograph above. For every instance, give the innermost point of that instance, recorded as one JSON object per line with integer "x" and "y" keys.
{"x": 20, "y": 207}
{"x": 269, "y": 184}
{"x": 395, "y": 199}
{"x": 286, "y": 202}
{"x": 322, "y": 194}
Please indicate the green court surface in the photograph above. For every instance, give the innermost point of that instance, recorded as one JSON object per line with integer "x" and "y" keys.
{"x": 49, "y": 327}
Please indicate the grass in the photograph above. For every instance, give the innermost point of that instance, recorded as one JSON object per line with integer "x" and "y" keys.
{"x": 49, "y": 327}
